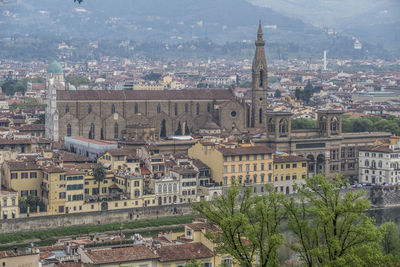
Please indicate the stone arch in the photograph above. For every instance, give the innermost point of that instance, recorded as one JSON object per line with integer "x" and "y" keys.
{"x": 311, "y": 164}
{"x": 283, "y": 127}
{"x": 334, "y": 125}
{"x": 321, "y": 164}
{"x": 92, "y": 131}
{"x": 271, "y": 125}
{"x": 322, "y": 123}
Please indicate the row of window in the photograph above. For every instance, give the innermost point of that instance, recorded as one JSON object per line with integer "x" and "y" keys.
{"x": 167, "y": 189}
{"x": 24, "y": 175}
{"x": 247, "y": 168}
{"x": 136, "y": 108}
{"x": 247, "y": 157}
{"x": 5, "y": 201}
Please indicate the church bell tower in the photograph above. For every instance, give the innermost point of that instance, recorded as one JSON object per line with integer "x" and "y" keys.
{"x": 259, "y": 82}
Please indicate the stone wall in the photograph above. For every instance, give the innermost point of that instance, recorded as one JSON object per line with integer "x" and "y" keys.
{"x": 93, "y": 218}
{"x": 384, "y": 196}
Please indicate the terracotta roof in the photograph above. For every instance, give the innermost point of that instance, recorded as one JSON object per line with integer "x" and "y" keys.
{"x": 4, "y": 141}
{"x": 200, "y": 165}
{"x": 248, "y": 150}
{"x": 22, "y": 165}
{"x": 184, "y": 252}
{"x": 127, "y": 254}
{"x": 186, "y": 94}
{"x": 184, "y": 170}
{"x": 201, "y": 226}
{"x": 145, "y": 171}
{"x": 73, "y": 157}
{"x": 290, "y": 158}
{"x": 120, "y": 152}
{"x": 380, "y": 148}
{"x": 53, "y": 169}
{"x": 31, "y": 127}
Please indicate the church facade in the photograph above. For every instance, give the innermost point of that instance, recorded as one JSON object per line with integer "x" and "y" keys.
{"x": 121, "y": 115}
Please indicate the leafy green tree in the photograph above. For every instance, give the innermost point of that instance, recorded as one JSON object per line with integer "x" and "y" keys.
{"x": 391, "y": 238}
{"x": 32, "y": 202}
{"x": 23, "y": 206}
{"x": 247, "y": 226}
{"x": 303, "y": 123}
{"x": 41, "y": 119}
{"x": 193, "y": 263}
{"x": 99, "y": 175}
{"x": 278, "y": 94}
{"x": 331, "y": 228}
{"x": 179, "y": 129}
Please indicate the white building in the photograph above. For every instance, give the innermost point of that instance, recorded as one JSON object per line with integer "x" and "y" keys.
{"x": 380, "y": 164}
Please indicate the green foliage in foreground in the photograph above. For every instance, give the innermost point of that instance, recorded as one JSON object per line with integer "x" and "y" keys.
{"x": 370, "y": 124}
{"x": 329, "y": 227}
{"x": 86, "y": 229}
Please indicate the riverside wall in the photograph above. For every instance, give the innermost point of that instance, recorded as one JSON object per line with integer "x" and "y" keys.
{"x": 93, "y": 218}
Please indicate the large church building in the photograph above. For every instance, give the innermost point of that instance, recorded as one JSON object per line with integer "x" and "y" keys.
{"x": 118, "y": 115}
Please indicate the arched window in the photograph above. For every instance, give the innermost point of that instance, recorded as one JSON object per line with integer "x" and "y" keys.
{"x": 380, "y": 164}
{"x": 176, "y": 109}
{"x": 208, "y": 107}
{"x": 255, "y": 178}
{"x": 283, "y": 127}
{"x": 91, "y": 131}
{"x": 69, "y": 129}
{"x": 186, "y": 107}
{"x": 169, "y": 188}
{"x": 165, "y": 188}
{"x": 271, "y": 125}
{"x": 366, "y": 163}
{"x": 158, "y": 108}
{"x": 334, "y": 125}
{"x": 175, "y": 188}
{"x": 322, "y": 123}
{"x": 113, "y": 109}
{"x": 159, "y": 188}
{"x": 261, "y": 78}
{"x": 373, "y": 164}
{"x": 115, "y": 130}
{"x": 90, "y": 109}
{"x": 197, "y": 109}
{"x": 260, "y": 115}
{"x": 66, "y": 108}
{"x": 136, "y": 108}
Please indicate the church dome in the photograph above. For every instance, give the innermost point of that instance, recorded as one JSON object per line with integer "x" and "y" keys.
{"x": 55, "y": 68}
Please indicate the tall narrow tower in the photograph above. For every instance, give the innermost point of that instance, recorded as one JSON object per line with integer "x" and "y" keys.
{"x": 54, "y": 82}
{"x": 259, "y": 80}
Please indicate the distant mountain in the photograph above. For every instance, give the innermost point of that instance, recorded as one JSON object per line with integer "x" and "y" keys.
{"x": 30, "y": 22}
{"x": 219, "y": 20}
{"x": 370, "y": 20}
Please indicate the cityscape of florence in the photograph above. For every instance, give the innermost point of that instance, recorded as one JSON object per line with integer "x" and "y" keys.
{"x": 188, "y": 133}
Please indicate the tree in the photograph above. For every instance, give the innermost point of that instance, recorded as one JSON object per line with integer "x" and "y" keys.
{"x": 277, "y": 94}
{"x": 247, "y": 226}
{"x": 163, "y": 130}
{"x": 41, "y": 119}
{"x": 187, "y": 131}
{"x": 193, "y": 263}
{"x": 331, "y": 228}
{"x": 391, "y": 238}
{"x": 23, "y": 207}
{"x": 99, "y": 175}
{"x": 179, "y": 129}
{"x": 303, "y": 123}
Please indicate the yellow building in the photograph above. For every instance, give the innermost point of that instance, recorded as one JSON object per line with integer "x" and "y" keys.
{"x": 241, "y": 163}
{"x": 120, "y": 159}
{"x": 25, "y": 177}
{"x": 8, "y": 204}
{"x": 288, "y": 171}
{"x": 19, "y": 259}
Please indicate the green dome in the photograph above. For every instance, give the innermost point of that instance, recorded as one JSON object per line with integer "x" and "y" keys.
{"x": 55, "y": 68}
{"x": 72, "y": 87}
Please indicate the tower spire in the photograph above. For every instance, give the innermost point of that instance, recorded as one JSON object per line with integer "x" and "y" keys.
{"x": 259, "y": 32}
{"x": 259, "y": 81}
